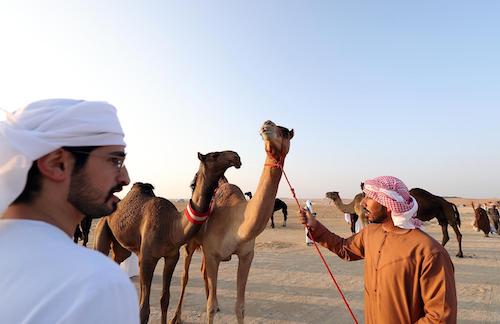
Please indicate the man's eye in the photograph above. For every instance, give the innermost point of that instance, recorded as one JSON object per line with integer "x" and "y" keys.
{"x": 117, "y": 162}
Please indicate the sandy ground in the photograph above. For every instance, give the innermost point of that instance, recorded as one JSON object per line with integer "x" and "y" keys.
{"x": 289, "y": 284}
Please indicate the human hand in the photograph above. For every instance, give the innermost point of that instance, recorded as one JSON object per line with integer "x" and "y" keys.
{"x": 306, "y": 218}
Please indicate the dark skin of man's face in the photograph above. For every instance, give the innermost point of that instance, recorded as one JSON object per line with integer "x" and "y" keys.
{"x": 375, "y": 212}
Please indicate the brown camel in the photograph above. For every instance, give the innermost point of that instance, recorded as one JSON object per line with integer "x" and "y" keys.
{"x": 153, "y": 228}
{"x": 235, "y": 223}
{"x": 430, "y": 206}
{"x": 481, "y": 220}
{"x": 353, "y": 208}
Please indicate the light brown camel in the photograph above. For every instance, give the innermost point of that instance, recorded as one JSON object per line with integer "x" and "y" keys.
{"x": 353, "y": 208}
{"x": 430, "y": 206}
{"x": 235, "y": 223}
{"x": 153, "y": 228}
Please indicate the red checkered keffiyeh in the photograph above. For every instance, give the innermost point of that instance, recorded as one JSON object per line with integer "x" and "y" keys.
{"x": 393, "y": 194}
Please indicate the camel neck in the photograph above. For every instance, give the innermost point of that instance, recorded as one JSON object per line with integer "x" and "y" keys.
{"x": 203, "y": 192}
{"x": 261, "y": 206}
{"x": 346, "y": 208}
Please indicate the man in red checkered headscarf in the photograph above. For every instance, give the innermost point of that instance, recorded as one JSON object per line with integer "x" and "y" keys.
{"x": 409, "y": 276}
{"x": 393, "y": 194}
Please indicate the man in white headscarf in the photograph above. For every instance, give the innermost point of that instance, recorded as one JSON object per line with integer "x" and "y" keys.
{"x": 409, "y": 276}
{"x": 60, "y": 159}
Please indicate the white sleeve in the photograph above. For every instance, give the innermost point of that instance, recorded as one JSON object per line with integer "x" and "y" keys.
{"x": 110, "y": 303}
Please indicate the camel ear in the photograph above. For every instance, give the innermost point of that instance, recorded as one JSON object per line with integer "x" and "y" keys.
{"x": 201, "y": 157}
{"x": 291, "y": 134}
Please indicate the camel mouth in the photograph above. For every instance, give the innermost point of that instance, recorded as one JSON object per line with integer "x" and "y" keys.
{"x": 237, "y": 164}
{"x": 235, "y": 161}
{"x": 331, "y": 194}
{"x": 267, "y": 133}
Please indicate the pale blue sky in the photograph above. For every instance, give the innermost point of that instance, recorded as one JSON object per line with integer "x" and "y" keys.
{"x": 371, "y": 88}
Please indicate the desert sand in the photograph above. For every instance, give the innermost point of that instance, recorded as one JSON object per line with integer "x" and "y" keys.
{"x": 289, "y": 284}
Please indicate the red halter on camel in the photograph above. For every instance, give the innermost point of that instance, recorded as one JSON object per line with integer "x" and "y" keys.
{"x": 199, "y": 218}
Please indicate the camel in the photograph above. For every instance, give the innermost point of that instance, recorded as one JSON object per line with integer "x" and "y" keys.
{"x": 278, "y": 205}
{"x": 353, "y": 208}
{"x": 430, "y": 206}
{"x": 82, "y": 230}
{"x": 153, "y": 228}
{"x": 481, "y": 220}
{"x": 235, "y": 223}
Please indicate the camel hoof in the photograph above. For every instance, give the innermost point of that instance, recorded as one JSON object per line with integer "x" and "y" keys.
{"x": 460, "y": 255}
{"x": 284, "y": 225}
{"x": 272, "y": 226}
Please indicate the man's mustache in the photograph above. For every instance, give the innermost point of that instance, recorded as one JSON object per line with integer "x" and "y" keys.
{"x": 116, "y": 188}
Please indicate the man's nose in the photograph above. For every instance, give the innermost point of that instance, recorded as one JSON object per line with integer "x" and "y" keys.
{"x": 123, "y": 177}
{"x": 363, "y": 202}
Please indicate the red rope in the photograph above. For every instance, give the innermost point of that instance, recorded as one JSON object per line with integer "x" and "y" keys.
{"x": 317, "y": 248}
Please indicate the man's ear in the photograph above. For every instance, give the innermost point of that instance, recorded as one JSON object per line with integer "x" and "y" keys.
{"x": 55, "y": 165}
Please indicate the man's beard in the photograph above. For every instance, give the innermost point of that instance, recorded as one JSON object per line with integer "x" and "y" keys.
{"x": 381, "y": 217}
{"x": 85, "y": 198}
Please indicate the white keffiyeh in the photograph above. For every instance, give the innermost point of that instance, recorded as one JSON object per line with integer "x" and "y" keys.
{"x": 44, "y": 126}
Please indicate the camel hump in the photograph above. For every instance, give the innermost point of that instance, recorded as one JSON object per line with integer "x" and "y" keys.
{"x": 161, "y": 206}
{"x": 144, "y": 188}
{"x": 228, "y": 194}
{"x": 419, "y": 192}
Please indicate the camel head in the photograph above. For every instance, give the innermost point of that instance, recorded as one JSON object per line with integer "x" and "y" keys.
{"x": 145, "y": 189}
{"x": 276, "y": 139}
{"x": 333, "y": 195}
{"x": 216, "y": 163}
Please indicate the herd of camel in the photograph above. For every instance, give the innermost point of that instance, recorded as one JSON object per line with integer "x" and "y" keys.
{"x": 153, "y": 228}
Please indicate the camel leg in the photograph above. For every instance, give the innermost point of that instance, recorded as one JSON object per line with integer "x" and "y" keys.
{"x": 446, "y": 237}
{"x": 460, "y": 254}
{"x": 188, "y": 252}
{"x": 243, "y": 269}
{"x": 147, "y": 267}
{"x": 168, "y": 272}
{"x": 272, "y": 220}
{"x": 285, "y": 216}
{"x": 85, "y": 239}
{"x": 212, "y": 269}
{"x": 354, "y": 218}
{"x": 203, "y": 271}
{"x": 77, "y": 234}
